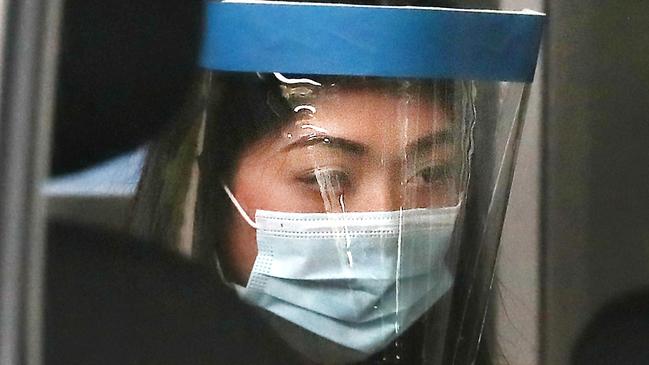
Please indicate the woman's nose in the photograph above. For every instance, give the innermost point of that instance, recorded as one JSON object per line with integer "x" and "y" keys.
{"x": 379, "y": 194}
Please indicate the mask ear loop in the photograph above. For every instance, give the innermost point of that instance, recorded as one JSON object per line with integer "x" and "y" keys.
{"x": 244, "y": 215}
{"x": 242, "y": 212}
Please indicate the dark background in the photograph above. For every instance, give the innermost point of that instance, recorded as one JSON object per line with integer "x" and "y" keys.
{"x": 125, "y": 69}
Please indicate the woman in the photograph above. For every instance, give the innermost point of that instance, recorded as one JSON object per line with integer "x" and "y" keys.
{"x": 395, "y": 149}
{"x": 332, "y": 204}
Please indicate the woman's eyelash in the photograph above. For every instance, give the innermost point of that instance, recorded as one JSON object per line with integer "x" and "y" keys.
{"x": 434, "y": 173}
{"x": 326, "y": 176}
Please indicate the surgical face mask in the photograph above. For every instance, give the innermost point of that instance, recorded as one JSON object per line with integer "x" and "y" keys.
{"x": 358, "y": 279}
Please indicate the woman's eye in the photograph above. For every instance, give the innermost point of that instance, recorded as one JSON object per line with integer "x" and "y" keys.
{"x": 326, "y": 180}
{"x": 432, "y": 175}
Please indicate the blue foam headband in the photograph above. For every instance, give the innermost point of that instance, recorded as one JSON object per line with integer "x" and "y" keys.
{"x": 385, "y": 41}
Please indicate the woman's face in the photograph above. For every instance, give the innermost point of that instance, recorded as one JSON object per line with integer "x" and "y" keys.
{"x": 363, "y": 149}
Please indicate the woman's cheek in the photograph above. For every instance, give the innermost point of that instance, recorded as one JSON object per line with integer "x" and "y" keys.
{"x": 240, "y": 250}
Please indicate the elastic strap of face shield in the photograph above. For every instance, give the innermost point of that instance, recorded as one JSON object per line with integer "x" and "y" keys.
{"x": 240, "y": 209}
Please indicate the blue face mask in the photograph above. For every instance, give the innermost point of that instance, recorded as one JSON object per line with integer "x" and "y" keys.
{"x": 357, "y": 279}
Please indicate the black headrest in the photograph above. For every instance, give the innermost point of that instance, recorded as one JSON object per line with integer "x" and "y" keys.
{"x": 126, "y": 67}
{"x": 617, "y": 334}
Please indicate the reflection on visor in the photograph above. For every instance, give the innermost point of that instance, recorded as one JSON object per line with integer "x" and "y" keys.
{"x": 286, "y": 80}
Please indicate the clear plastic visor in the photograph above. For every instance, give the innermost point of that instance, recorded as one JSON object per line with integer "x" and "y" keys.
{"x": 345, "y": 207}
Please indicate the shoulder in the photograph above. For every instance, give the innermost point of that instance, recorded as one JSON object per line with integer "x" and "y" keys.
{"x": 113, "y": 299}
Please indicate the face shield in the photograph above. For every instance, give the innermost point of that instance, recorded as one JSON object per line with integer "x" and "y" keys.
{"x": 354, "y": 164}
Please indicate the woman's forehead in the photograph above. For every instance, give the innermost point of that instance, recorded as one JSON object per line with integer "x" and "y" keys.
{"x": 371, "y": 113}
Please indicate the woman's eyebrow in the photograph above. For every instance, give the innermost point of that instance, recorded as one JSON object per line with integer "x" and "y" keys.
{"x": 438, "y": 138}
{"x": 340, "y": 143}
